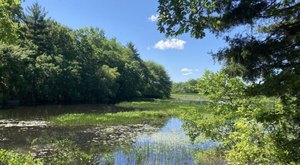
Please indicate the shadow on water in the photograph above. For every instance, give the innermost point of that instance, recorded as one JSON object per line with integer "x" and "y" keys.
{"x": 44, "y": 112}
{"x": 168, "y": 146}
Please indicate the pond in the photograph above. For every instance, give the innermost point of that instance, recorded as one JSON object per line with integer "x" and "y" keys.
{"x": 27, "y": 129}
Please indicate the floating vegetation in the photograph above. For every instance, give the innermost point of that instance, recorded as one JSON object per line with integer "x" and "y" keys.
{"x": 153, "y": 112}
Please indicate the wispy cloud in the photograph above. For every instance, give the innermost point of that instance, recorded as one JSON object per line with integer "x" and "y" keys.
{"x": 170, "y": 44}
{"x": 153, "y": 18}
{"x": 188, "y": 71}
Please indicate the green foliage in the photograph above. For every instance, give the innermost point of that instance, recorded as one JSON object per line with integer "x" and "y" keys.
{"x": 36, "y": 29}
{"x": 158, "y": 84}
{"x": 9, "y": 26}
{"x": 62, "y": 152}
{"x": 110, "y": 118}
{"x": 209, "y": 157}
{"x": 150, "y": 112}
{"x": 55, "y": 64}
{"x": 13, "y": 158}
{"x": 184, "y": 87}
{"x": 65, "y": 152}
{"x": 256, "y": 130}
{"x": 13, "y": 71}
{"x": 251, "y": 130}
{"x": 189, "y": 98}
{"x": 267, "y": 50}
{"x": 182, "y": 16}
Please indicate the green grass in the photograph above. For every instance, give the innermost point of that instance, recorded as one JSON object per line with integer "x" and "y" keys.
{"x": 109, "y": 118}
{"x": 152, "y": 112}
{"x": 192, "y": 98}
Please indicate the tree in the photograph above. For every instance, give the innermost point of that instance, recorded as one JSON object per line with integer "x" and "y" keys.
{"x": 158, "y": 83}
{"x": 55, "y": 64}
{"x": 13, "y": 72}
{"x": 185, "y": 87}
{"x": 269, "y": 51}
{"x": 9, "y": 25}
{"x": 251, "y": 130}
{"x": 133, "y": 74}
{"x": 63, "y": 43}
{"x": 266, "y": 55}
{"x": 36, "y": 29}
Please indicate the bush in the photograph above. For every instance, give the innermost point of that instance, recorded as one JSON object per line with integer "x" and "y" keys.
{"x": 252, "y": 130}
{"x": 13, "y": 158}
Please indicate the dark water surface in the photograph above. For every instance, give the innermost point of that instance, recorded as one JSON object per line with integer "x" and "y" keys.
{"x": 44, "y": 112}
{"x": 23, "y": 127}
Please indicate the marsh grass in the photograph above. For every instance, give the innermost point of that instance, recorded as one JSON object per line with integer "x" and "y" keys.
{"x": 188, "y": 98}
{"x": 152, "y": 112}
{"x": 110, "y": 118}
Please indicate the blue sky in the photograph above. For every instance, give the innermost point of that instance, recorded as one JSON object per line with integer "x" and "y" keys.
{"x": 183, "y": 57}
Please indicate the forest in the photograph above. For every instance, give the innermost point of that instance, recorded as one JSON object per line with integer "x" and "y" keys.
{"x": 188, "y": 87}
{"x": 44, "y": 62}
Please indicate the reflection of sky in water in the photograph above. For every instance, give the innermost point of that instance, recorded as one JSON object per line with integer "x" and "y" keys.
{"x": 174, "y": 124}
{"x": 169, "y": 146}
{"x": 172, "y": 134}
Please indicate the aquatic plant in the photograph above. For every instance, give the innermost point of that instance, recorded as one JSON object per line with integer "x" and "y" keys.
{"x": 154, "y": 112}
{"x": 66, "y": 152}
{"x": 8, "y": 157}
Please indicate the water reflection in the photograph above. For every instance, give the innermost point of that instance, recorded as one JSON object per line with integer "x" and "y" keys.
{"x": 44, "y": 112}
{"x": 169, "y": 146}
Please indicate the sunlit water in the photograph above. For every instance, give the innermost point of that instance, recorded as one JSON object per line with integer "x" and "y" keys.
{"x": 169, "y": 146}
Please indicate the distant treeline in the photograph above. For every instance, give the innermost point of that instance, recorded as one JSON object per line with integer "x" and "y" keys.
{"x": 51, "y": 63}
{"x": 188, "y": 87}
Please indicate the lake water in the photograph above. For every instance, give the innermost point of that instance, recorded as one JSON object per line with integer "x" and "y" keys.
{"x": 25, "y": 129}
{"x": 168, "y": 146}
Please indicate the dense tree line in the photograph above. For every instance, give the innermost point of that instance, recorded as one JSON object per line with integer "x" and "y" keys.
{"x": 266, "y": 55}
{"x": 188, "y": 87}
{"x": 51, "y": 63}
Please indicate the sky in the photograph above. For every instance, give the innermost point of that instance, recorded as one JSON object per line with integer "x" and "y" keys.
{"x": 183, "y": 57}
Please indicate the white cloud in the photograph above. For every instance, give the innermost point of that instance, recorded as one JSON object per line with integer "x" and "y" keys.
{"x": 148, "y": 48}
{"x": 170, "y": 44}
{"x": 186, "y": 71}
{"x": 153, "y": 18}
